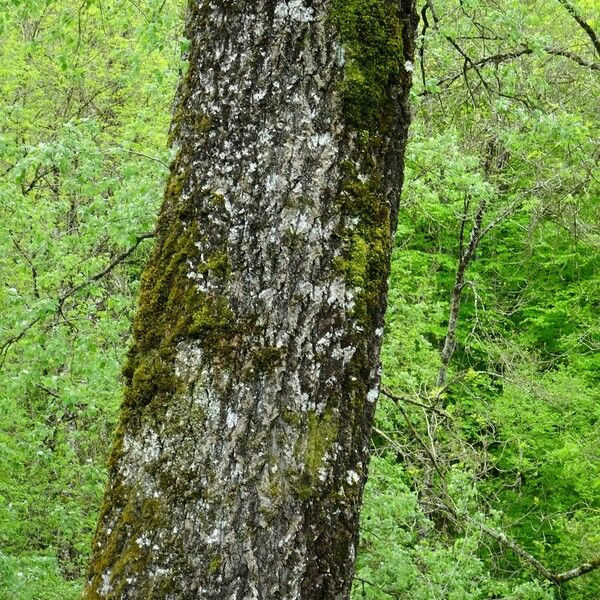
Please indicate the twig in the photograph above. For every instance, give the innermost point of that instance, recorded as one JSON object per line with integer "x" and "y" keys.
{"x": 142, "y": 155}
{"x": 119, "y": 259}
{"x": 586, "y": 567}
{"x": 497, "y": 59}
{"x": 428, "y": 407}
{"x": 390, "y": 593}
{"x": 430, "y": 452}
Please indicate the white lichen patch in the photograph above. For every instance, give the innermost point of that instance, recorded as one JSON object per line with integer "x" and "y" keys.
{"x": 352, "y": 477}
{"x": 143, "y": 541}
{"x": 322, "y": 473}
{"x": 373, "y": 395}
{"x": 105, "y": 587}
{"x": 232, "y": 419}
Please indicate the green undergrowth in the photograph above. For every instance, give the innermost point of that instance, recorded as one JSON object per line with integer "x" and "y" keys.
{"x": 35, "y": 577}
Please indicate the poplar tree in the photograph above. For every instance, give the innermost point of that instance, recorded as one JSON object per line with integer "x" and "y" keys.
{"x": 239, "y": 462}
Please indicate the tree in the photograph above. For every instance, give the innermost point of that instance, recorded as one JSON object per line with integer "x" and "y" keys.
{"x": 242, "y": 449}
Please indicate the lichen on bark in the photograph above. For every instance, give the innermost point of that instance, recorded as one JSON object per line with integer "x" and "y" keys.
{"x": 241, "y": 454}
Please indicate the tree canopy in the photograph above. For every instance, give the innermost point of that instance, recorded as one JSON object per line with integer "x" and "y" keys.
{"x": 485, "y": 479}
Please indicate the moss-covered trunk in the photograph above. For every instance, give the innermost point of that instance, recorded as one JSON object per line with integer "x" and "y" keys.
{"x": 239, "y": 463}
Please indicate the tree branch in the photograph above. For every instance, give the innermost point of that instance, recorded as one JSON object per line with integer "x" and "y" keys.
{"x": 572, "y": 56}
{"x": 395, "y": 398}
{"x": 502, "y": 538}
{"x": 464, "y": 260}
{"x": 586, "y": 567}
{"x": 118, "y": 260}
{"x": 582, "y": 23}
{"x": 142, "y": 155}
{"x": 501, "y": 57}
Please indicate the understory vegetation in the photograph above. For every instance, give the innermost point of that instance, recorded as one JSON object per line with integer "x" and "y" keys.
{"x": 485, "y": 477}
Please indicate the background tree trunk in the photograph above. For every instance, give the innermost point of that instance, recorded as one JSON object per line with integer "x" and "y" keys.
{"x": 238, "y": 466}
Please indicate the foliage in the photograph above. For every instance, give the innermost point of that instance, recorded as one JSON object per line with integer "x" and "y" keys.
{"x": 516, "y": 420}
{"x": 506, "y": 121}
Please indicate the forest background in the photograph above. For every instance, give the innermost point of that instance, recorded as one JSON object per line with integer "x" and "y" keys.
{"x": 485, "y": 478}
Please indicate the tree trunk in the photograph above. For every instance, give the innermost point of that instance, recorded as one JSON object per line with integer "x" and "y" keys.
{"x": 239, "y": 462}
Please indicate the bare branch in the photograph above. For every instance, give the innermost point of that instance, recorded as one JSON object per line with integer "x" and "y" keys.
{"x": 502, "y": 538}
{"x": 390, "y": 593}
{"x": 118, "y": 260}
{"x": 464, "y": 260}
{"x": 142, "y": 155}
{"x": 433, "y": 10}
{"x": 395, "y": 398}
{"x": 572, "y": 56}
{"x": 497, "y": 59}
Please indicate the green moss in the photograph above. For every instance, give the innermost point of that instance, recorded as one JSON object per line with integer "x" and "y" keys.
{"x": 321, "y": 432}
{"x": 291, "y": 417}
{"x": 202, "y": 123}
{"x": 121, "y": 557}
{"x": 371, "y": 33}
{"x": 367, "y": 246}
{"x": 152, "y": 376}
{"x": 171, "y": 307}
{"x": 217, "y": 199}
{"x": 215, "y": 563}
{"x": 211, "y": 315}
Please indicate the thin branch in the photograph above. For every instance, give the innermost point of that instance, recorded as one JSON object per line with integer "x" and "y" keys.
{"x": 395, "y": 398}
{"x": 142, "y": 155}
{"x": 557, "y": 578}
{"x": 433, "y": 11}
{"x": 572, "y": 56}
{"x": 586, "y": 567}
{"x": 422, "y": 44}
{"x": 429, "y": 451}
{"x": 464, "y": 260}
{"x": 119, "y": 259}
{"x": 468, "y": 64}
{"x": 16, "y": 338}
{"x": 502, "y": 538}
{"x": 582, "y": 23}
{"x": 497, "y": 59}
{"x": 393, "y": 443}
{"x": 390, "y": 593}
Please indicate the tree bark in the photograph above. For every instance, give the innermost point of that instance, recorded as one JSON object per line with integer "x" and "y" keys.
{"x": 241, "y": 454}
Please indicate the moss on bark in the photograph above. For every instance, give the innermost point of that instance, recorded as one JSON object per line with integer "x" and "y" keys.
{"x": 371, "y": 33}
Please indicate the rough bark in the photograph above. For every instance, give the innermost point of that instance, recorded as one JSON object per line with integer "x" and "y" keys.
{"x": 239, "y": 462}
